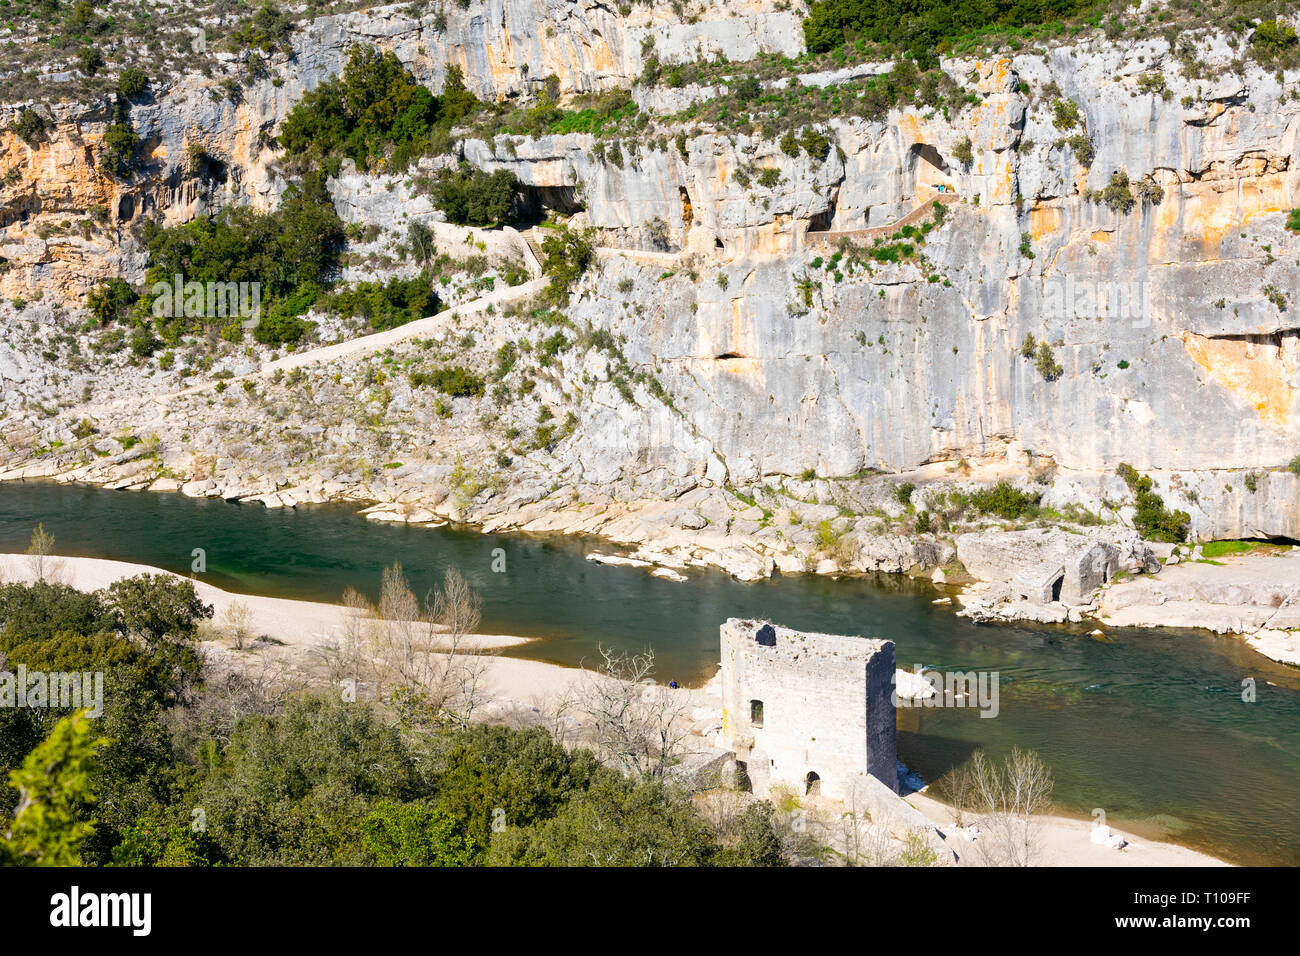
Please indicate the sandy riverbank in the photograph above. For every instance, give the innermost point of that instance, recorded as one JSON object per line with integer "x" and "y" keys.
{"x": 1065, "y": 841}
{"x": 297, "y": 628}
{"x": 300, "y": 628}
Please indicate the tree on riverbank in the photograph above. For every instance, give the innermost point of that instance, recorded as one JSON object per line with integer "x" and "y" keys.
{"x": 1009, "y": 800}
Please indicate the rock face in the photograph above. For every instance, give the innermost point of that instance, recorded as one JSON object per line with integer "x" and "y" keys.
{"x": 1171, "y": 321}
{"x": 1254, "y": 595}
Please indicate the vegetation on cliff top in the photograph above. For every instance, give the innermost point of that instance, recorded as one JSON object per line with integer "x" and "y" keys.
{"x": 375, "y": 114}
{"x": 923, "y": 27}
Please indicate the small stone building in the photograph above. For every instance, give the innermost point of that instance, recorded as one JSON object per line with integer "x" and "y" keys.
{"x": 811, "y": 711}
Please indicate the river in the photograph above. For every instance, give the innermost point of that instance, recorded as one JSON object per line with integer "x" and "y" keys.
{"x": 1148, "y": 725}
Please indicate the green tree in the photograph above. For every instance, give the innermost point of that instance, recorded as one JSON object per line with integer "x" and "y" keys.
{"x": 472, "y": 197}
{"x": 758, "y": 843}
{"x": 111, "y": 300}
{"x": 30, "y": 126}
{"x": 157, "y": 607}
{"x": 131, "y": 82}
{"x": 413, "y": 834}
{"x": 54, "y": 792}
{"x": 619, "y": 821}
{"x": 292, "y": 788}
{"x": 151, "y": 842}
{"x": 566, "y": 254}
{"x": 524, "y": 773}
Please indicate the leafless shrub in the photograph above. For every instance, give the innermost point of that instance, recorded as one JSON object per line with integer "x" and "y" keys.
{"x": 39, "y": 555}
{"x": 956, "y": 788}
{"x": 260, "y": 687}
{"x": 1009, "y": 799}
{"x": 425, "y": 664}
{"x": 638, "y": 725}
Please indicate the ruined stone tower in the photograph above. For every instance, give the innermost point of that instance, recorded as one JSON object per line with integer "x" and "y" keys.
{"x": 812, "y": 711}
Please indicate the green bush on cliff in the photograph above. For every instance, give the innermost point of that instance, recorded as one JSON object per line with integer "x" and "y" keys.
{"x": 471, "y": 197}
{"x": 1274, "y": 41}
{"x": 267, "y": 30}
{"x": 566, "y": 253}
{"x": 111, "y": 300}
{"x": 1152, "y": 519}
{"x": 1006, "y": 501}
{"x": 451, "y": 380}
{"x": 386, "y": 305}
{"x": 131, "y": 82}
{"x": 923, "y": 27}
{"x": 29, "y": 126}
{"x": 120, "y": 142}
{"x": 290, "y": 252}
{"x": 375, "y": 113}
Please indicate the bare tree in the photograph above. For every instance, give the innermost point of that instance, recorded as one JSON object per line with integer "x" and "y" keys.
{"x": 556, "y": 712}
{"x": 638, "y": 725}
{"x": 39, "y": 553}
{"x": 347, "y": 658}
{"x": 1010, "y": 798}
{"x": 258, "y": 686}
{"x": 956, "y": 788}
{"x": 424, "y": 657}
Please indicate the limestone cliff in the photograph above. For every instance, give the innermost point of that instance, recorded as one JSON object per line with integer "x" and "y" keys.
{"x": 1168, "y": 305}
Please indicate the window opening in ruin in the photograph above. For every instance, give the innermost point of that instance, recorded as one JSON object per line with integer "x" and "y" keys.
{"x": 743, "y": 783}
{"x": 756, "y": 713}
{"x": 812, "y": 784}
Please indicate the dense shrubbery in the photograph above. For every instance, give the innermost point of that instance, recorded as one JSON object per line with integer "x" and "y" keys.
{"x": 139, "y": 633}
{"x": 923, "y": 27}
{"x": 111, "y": 300}
{"x": 291, "y": 252}
{"x": 566, "y": 254}
{"x": 386, "y": 305}
{"x": 451, "y": 380}
{"x": 120, "y": 142}
{"x": 29, "y": 126}
{"x": 267, "y": 30}
{"x": 606, "y": 110}
{"x": 1275, "y": 42}
{"x": 306, "y": 781}
{"x": 600, "y": 114}
{"x": 1006, "y": 501}
{"x": 1152, "y": 520}
{"x": 132, "y": 82}
{"x": 375, "y": 110}
{"x": 469, "y": 196}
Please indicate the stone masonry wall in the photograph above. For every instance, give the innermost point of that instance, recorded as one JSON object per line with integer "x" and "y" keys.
{"x": 826, "y": 706}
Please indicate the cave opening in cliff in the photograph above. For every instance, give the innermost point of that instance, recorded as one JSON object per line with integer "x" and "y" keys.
{"x": 535, "y": 202}
{"x": 928, "y": 168}
{"x": 821, "y": 222}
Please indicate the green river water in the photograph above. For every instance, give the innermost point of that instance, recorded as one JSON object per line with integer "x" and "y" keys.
{"x": 1148, "y": 725}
